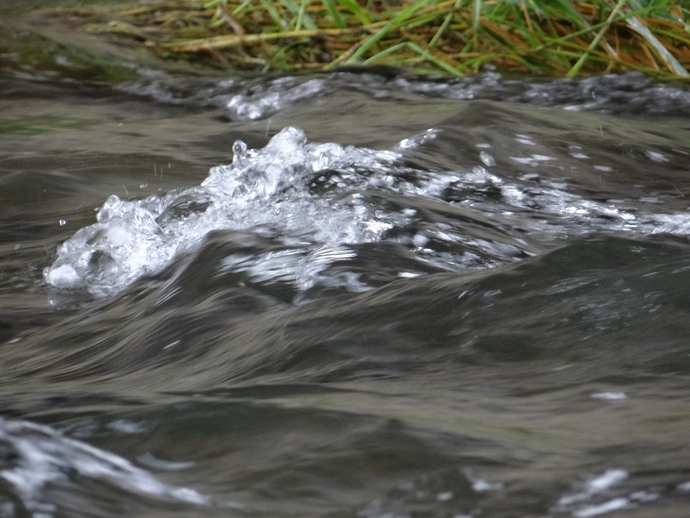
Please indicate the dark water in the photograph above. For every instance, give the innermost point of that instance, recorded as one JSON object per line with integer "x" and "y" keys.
{"x": 431, "y": 300}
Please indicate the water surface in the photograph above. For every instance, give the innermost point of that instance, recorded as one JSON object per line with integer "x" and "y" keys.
{"x": 389, "y": 297}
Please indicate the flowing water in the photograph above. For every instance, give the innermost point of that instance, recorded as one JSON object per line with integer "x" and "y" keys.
{"x": 346, "y": 295}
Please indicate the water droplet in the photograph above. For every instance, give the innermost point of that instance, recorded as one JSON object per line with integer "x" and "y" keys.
{"x": 239, "y": 149}
{"x": 487, "y": 159}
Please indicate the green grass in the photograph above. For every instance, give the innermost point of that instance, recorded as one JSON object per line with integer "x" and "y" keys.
{"x": 452, "y": 37}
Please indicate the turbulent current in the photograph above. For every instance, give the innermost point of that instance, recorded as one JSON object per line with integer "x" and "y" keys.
{"x": 389, "y": 297}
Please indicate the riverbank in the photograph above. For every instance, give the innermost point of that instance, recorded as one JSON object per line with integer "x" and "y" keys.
{"x": 452, "y": 37}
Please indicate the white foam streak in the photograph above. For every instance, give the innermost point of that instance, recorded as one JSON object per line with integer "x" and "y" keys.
{"x": 607, "y": 507}
{"x": 609, "y": 479}
{"x": 42, "y": 455}
{"x": 279, "y": 94}
{"x": 579, "y": 504}
{"x": 610, "y": 396}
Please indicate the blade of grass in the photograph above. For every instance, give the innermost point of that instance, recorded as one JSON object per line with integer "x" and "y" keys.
{"x": 636, "y": 25}
{"x": 564, "y": 9}
{"x": 494, "y": 32}
{"x": 355, "y": 9}
{"x": 395, "y": 22}
{"x": 242, "y": 7}
{"x": 274, "y": 14}
{"x": 675, "y": 36}
{"x": 446, "y": 23}
{"x": 580, "y": 62}
{"x": 599, "y": 57}
{"x": 234, "y": 40}
{"x": 227, "y": 18}
{"x": 476, "y": 15}
{"x": 385, "y": 52}
{"x": 477, "y": 62}
{"x": 438, "y": 55}
{"x": 417, "y": 49}
{"x": 528, "y": 19}
{"x": 299, "y": 12}
{"x": 422, "y": 20}
{"x": 302, "y": 17}
{"x": 333, "y": 13}
{"x": 343, "y": 57}
{"x": 433, "y": 59}
{"x": 567, "y": 11}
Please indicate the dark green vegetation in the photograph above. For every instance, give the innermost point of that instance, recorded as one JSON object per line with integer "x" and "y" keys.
{"x": 542, "y": 37}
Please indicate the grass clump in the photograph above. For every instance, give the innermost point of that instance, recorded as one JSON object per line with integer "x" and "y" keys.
{"x": 457, "y": 37}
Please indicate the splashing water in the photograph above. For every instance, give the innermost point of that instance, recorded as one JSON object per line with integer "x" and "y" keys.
{"x": 314, "y": 200}
{"x": 263, "y": 190}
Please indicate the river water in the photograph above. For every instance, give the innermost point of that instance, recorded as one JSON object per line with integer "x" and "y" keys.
{"x": 345, "y": 295}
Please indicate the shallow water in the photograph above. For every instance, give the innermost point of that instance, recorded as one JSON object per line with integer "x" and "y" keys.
{"x": 398, "y": 298}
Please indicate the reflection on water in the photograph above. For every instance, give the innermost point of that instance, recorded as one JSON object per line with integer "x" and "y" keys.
{"x": 449, "y": 299}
